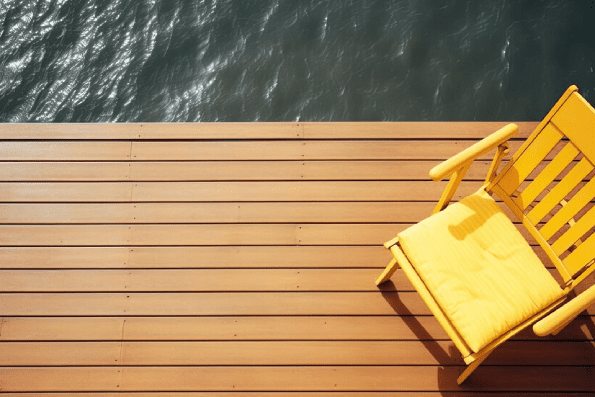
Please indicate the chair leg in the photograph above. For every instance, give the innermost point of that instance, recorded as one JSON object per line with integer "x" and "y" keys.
{"x": 470, "y": 368}
{"x": 388, "y": 272}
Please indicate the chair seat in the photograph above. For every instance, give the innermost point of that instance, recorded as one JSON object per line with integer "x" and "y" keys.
{"x": 479, "y": 269}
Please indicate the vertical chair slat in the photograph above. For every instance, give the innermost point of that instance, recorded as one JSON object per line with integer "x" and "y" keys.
{"x": 531, "y": 157}
{"x": 547, "y": 176}
{"x": 561, "y": 190}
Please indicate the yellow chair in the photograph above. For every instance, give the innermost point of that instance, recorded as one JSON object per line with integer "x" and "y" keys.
{"x": 473, "y": 268}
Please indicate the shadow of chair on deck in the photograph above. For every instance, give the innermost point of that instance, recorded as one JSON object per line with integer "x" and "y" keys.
{"x": 582, "y": 329}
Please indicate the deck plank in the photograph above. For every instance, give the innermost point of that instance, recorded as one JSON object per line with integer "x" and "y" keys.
{"x": 206, "y": 171}
{"x": 219, "y": 328}
{"x": 109, "y": 192}
{"x": 306, "y": 394}
{"x": 194, "y": 257}
{"x": 269, "y": 130}
{"x": 295, "y": 353}
{"x": 344, "y": 378}
{"x": 191, "y": 280}
{"x": 232, "y": 150}
{"x": 203, "y": 280}
{"x": 197, "y": 234}
{"x": 388, "y": 303}
{"x": 224, "y": 171}
{"x": 210, "y": 304}
{"x": 211, "y": 257}
{"x": 251, "y": 328}
{"x": 202, "y": 234}
{"x": 321, "y": 212}
{"x": 303, "y": 150}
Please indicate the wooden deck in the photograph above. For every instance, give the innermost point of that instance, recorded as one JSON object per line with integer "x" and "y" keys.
{"x": 220, "y": 260}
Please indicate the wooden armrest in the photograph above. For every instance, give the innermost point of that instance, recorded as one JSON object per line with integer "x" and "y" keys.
{"x": 565, "y": 314}
{"x": 459, "y": 160}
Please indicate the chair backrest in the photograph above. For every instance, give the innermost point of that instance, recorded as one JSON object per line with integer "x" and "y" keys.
{"x": 548, "y": 185}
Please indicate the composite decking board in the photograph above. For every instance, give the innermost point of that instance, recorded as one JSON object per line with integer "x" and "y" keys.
{"x": 190, "y": 280}
{"x": 218, "y": 212}
{"x": 393, "y": 170}
{"x": 413, "y": 130}
{"x": 269, "y": 130}
{"x": 243, "y": 353}
{"x": 68, "y": 150}
{"x": 218, "y": 151}
{"x": 194, "y": 257}
{"x": 202, "y": 234}
{"x": 296, "y": 378}
{"x": 217, "y": 280}
{"x": 264, "y": 328}
{"x": 223, "y": 328}
{"x": 210, "y": 304}
{"x": 304, "y": 394}
{"x": 197, "y": 234}
{"x": 227, "y": 191}
{"x": 388, "y": 303}
{"x": 298, "y": 353}
{"x": 303, "y": 150}
{"x": 103, "y": 131}
{"x": 223, "y": 257}
{"x": 253, "y": 328}
{"x": 208, "y": 171}
{"x": 321, "y": 212}
{"x": 224, "y": 171}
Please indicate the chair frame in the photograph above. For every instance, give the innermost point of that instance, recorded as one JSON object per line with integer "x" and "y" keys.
{"x": 456, "y": 167}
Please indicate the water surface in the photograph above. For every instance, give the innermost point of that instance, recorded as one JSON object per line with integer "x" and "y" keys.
{"x": 285, "y": 60}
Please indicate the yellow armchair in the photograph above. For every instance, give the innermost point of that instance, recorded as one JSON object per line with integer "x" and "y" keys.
{"x": 479, "y": 277}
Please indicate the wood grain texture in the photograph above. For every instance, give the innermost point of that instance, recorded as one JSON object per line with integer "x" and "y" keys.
{"x": 227, "y": 353}
{"x": 295, "y": 353}
{"x": 219, "y": 212}
{"x": 413, "y": 130}
{"x": 214, "y": 304}
{"x": 305, "y": 394}
{"x": 106, "y": 131}
{"x": 203, "y": 280}
{"x": 107, "y": 192}
{"x": 194, "y": 257}
{"x": 270, "y": 130}
{"x": 211, "y": 257}
{"x": 191, "y": 280}
{"x": 210, "y": 304}
{"x": 224, "y": 171}
{"x": 347, "y": 378}
{"x": 240, "y": 212}
{"x": 306, "y": 150}
{"x": 250, "y": 328}
{"x": 202, "y": 234}
{"x": 198, "y": 234}
{"x": 239, "y": 328}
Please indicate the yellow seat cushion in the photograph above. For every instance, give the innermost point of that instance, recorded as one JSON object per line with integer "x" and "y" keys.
{"x": 479, "y": 269}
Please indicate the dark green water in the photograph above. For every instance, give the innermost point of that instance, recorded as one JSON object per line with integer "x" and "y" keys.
{"x": 281, "y": 60}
